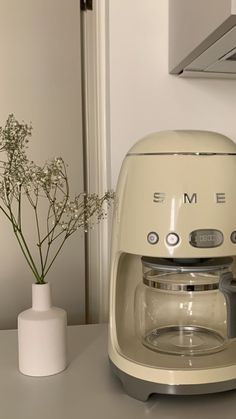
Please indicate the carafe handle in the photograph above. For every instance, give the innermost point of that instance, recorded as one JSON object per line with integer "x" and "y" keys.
{"x": 227, "y": 286}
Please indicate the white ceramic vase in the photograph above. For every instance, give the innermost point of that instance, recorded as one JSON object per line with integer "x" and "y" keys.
{"x": 42, "y": 335}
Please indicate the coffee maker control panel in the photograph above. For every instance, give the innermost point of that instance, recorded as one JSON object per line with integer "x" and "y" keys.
{"x": 202, "y": 238}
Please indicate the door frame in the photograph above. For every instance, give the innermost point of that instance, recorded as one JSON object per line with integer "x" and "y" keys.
{"x": 96, "y": 133}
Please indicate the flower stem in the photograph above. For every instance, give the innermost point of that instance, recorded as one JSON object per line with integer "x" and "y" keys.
{"x": 58, "y": 250}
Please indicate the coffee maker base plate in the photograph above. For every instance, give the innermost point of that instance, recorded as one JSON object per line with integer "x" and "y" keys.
{"x": 142, "y": 389}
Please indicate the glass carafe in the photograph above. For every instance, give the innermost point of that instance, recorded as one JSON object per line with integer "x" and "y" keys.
{"x": 179, "y": 307}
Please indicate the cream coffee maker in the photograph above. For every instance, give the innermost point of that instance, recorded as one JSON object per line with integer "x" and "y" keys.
{"x": 172, "y": 325}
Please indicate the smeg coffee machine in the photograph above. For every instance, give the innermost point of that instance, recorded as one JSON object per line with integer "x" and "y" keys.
{"x": 172, "y": 326}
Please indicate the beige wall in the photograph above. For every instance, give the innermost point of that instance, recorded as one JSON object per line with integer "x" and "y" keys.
{"x": 144, "y": 97}
{"x": 40, "y": 83}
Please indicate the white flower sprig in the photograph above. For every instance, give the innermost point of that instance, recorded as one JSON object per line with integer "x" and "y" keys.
{"x": 22, "y": 180}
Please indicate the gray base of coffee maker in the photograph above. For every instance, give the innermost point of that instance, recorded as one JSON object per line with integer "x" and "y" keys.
{"x": 141, "y": 389}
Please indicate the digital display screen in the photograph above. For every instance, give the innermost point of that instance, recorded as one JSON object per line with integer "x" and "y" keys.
{"x": 206, "y": 238}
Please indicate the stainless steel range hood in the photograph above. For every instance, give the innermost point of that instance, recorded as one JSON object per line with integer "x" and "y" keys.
{"x": 202, "y": 38}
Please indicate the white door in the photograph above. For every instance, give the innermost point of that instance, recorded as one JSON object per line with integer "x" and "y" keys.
{"x": 40, "y": 82}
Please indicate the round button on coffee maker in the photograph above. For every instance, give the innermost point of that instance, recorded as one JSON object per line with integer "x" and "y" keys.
{"x": 233, "y": 237}
{"x": 152, "y": 237}
{"x": 172, "y": 239}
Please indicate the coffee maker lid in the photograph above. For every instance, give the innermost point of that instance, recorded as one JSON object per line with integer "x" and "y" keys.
{"x": 184, "y": 142}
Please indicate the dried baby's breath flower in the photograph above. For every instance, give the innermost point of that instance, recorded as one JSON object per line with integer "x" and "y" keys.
{"x": 23, "y": 180}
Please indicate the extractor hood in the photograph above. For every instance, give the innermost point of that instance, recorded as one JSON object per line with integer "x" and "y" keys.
{"x": 202, "y": 38}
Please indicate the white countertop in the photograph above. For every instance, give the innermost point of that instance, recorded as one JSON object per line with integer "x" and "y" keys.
{"x": 87, "y": 389}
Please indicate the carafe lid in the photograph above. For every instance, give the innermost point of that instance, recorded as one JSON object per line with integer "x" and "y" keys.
{"x": 195, "y": 275}
{"x": 186, "y": 265}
